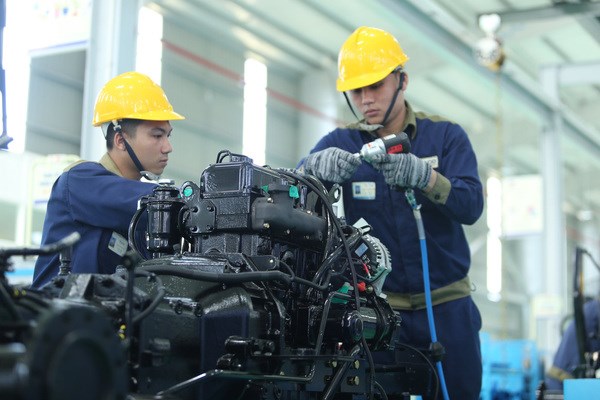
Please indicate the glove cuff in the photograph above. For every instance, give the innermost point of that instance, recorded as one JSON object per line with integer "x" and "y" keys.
{"x": 425, "y": 176}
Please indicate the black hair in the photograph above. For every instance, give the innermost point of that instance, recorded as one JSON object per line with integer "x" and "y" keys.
{"x": 128, "y": 126}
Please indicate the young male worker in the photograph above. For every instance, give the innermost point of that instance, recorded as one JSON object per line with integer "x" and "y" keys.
{"x": 442, "y": 170}
{"x": 99, "y": 199}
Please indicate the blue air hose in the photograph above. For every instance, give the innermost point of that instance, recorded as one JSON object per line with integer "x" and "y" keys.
{"x": 410, "y": 197}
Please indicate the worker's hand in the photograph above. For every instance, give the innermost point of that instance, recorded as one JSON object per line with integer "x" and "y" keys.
{"x": 404, "y": 170}
{"x": 332, "y": 164}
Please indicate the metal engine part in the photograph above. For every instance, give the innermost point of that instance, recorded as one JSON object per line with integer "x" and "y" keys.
{"x": 246, "y": 286}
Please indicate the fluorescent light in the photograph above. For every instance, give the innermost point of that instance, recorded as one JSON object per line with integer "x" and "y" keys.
{"x": 255, "y": 111}
{"x": 494, "y": 264}
{"x": 149, "y": 44}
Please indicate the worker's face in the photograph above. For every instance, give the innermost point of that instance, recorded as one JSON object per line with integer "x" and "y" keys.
{"x": 152, "y": 145}
{"x": 373, "y": 100}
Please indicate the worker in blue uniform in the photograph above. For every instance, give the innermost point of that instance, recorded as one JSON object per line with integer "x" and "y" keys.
{"x": 442, "y": 170}
{"x": 99, "y": 199}
{"x": 566, "y": 360}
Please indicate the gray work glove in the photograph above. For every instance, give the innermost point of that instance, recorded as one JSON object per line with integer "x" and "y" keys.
{"x": 404, "y": 170}
{"x": 332, "y": 164}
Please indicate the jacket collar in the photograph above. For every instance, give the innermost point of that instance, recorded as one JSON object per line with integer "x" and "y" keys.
{"x": 110, "y": 165}
{"x": 409, "y": 126}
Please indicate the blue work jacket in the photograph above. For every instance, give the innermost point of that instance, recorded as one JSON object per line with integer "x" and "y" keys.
{"x": 93, "y": 199}
{"x": 445, "y": 145}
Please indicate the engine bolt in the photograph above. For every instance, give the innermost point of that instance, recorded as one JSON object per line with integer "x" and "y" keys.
{"x": 353, "y": 380}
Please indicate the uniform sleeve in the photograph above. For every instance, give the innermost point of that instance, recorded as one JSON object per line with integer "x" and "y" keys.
{"x": 459, "y": 165}
{"x": 100, "y": 198}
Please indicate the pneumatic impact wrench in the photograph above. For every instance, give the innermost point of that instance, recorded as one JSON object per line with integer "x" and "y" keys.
{"x": 391, "y": 144}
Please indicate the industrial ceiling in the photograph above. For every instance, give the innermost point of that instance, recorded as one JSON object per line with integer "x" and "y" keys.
{"x": 505, "y": 111}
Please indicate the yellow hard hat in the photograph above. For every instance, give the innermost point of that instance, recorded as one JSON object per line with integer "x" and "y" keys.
{"x": 133, "y": 95}
{"x": 366, "y": 57}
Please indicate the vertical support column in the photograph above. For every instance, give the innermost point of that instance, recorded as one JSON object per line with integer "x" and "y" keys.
{"x": 111, "y": 51}
{"x": 554, "y": 268}
{"x": 530, "y": 250}
{"x": 588, "y": 239}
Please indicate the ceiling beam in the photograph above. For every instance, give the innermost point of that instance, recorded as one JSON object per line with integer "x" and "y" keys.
{"x": 212, "y": 20}
{"x": 591, "y": 25}
{"x": 577, "y": 74}
{"x": 557, "y": 10}
{"x": 514, "y": 80}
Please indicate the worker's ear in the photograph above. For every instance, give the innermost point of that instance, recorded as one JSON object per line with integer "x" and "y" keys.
{"x": 404, "y": 81}
{"x": 119, "y": 140}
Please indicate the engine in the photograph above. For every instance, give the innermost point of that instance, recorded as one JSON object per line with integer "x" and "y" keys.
{"x": 243, "y": 286}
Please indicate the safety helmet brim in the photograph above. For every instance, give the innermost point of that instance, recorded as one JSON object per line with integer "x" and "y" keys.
{"x": 343, "y": 85}
{"x": 164, "y": 115}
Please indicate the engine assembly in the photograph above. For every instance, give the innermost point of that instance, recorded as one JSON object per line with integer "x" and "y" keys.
{"x": 244, "y": 286}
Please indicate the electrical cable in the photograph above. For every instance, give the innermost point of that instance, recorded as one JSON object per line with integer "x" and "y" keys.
{"x": 132, "y": 228}
{"x": 410, "y": 197}
{"x": 381, "y": 390}
{"x": 335, "y": 232}
{"x": 7, "y": 300}
{"x": 161, "y": 291}
{"x": 430, "y": 365}
{"x": 321, "y": 191}
{"x": 338, "y": 227}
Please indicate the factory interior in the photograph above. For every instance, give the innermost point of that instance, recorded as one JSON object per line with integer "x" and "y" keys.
{"x": 257, "y": 78}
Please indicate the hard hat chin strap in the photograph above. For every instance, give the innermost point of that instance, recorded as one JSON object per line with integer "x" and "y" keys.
{"x": 350, "y": 105}
{"x": 136, "y": 161}
{"x": 368, "y": 127}
{"x": 389, "y": 110}
{"x": 363, "y": 126}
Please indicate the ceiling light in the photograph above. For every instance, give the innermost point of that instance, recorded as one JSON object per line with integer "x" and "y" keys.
{"x": 489, "y": 23}
{"x": 488, "y": 51}
{"x": 585, "y": 215}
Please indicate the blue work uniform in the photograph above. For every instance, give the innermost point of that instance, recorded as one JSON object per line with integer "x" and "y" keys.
{"x": 446, "y": 146}
{"x": 566, "y": 359}
{"x": 94, "y": 200}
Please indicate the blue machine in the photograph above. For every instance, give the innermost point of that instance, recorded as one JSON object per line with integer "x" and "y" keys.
{"x": 511, "y": 369}
{"x": 578, "y": 389}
